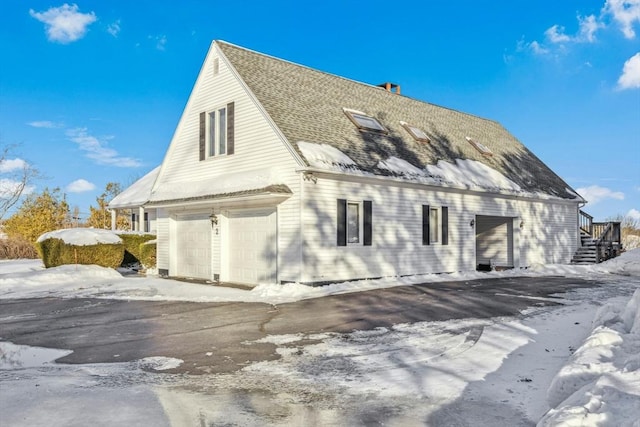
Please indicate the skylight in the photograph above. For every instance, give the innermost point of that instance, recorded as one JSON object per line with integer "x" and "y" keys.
{"x": 417, "y": 133}
{"x": 364, "y": 121}
{"x": 480, "y": 147}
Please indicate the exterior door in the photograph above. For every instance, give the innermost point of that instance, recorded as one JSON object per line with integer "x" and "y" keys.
{"x": 494, "y": 241}
{"x": 193, "y": 236}
{"x": 252, "y": 246}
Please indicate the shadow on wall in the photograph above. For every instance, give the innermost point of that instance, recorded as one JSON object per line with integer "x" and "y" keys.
{"x": 548, "y": 234}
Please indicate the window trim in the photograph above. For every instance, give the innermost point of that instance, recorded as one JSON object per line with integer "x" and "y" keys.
{"x": 483, "y": 149}
{"x": 352, "y": 114}
{"x": 215, "y": 130}
{"x": 360, "y": 214}
{"x": 365, "y": 222}
{"x": 441, "y": 228}
{"x": 412, "y": 131}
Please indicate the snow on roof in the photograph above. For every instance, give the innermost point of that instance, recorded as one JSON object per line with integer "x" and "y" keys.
{"x": 463, "y": 173}
{"x": 228, "y": 183}
{"x": 323, "y": 155}
{"x": 82, "y": 236}
{"x": 137, "y": 194}
{"x": 472, "y": 173}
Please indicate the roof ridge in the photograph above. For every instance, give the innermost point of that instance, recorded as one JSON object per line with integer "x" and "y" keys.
{"x": 333, "y": 75}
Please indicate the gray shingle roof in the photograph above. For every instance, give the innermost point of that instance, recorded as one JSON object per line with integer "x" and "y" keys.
{"x": 307, "y": 105}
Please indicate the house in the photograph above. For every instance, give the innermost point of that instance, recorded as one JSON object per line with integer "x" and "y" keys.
{"x": 133, "y": 200}
{"x": 279, "y": 173}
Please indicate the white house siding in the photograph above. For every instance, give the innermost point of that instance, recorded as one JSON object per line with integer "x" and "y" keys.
{"x": 548, "y": 233}
{"x": 162, "y": 237}
{"x": 257, "y": 145}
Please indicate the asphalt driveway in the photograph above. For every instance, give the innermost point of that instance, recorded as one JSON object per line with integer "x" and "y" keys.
{"x": 215, "y": 337}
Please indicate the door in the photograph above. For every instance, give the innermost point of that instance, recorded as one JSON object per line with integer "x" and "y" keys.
{"x": 193, "y": 236}
{"x": 494, "y": 241}
{"x": 252, "y": 246}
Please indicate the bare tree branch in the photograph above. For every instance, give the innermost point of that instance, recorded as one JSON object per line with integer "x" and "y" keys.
{"x": 16, "y": 176}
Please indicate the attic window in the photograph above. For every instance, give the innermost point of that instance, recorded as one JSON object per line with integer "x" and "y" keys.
{"x": 364, "y": 121}
{"x": 417, "y": 133}
{"x": 216, "y": 66}
{"x": 480, "y": 147}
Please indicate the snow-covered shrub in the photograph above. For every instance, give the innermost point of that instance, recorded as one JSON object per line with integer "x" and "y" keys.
{"x": 81, "y": 246}
{"x": 148, "y": 254}
{"x": 132, "y": 246}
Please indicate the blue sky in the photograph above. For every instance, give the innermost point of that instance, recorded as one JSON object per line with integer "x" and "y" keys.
{"x": 92, "y": 91}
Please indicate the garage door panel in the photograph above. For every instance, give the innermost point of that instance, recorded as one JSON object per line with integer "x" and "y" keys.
{"x": 494, "y": 240}
{"x": 193, "y": 237}
{"x": 252, "y": 246}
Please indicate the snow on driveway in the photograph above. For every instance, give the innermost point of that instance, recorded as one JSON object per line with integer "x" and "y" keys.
{"x": 576, "y": 364}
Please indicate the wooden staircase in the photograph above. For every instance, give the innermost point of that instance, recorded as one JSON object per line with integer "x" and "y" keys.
{"x": 600, "y": 241}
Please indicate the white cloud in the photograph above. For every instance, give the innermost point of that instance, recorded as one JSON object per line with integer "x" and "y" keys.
{"x": 114, "y": 29}
{"x": 630, "y": 77}
{"x": 625, "y": 13}
{"x": 595, "y": 194}
{"x": 537, "y": 48}
{"x": 634, "y": 214}
{"x": 45, "y": 124}
{"x": 161, "y": 41}
{"x": 64, "y": 24}
{"x": 588, "y": 28}
{"x": 80, "y": 186}
{"x": 10, "y": 165}
{"x": 556, "y": 34}
{"x": 96, "y": 149}
{"x": 10, "y": 186}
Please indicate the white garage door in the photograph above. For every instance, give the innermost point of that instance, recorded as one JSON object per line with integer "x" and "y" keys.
{"x": 252, "y": 246}
{"x": 494, "y": 240}
{"x": 193, "y": 233}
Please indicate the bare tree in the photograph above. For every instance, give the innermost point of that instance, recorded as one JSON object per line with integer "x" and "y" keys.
{"x": 16, "y": 175}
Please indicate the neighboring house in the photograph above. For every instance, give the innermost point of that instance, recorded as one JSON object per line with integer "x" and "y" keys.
{"x": 133, "y": 199}
{"x": 278, "y": 172}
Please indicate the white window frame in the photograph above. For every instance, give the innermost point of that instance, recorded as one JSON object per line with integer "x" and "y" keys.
{"x": 486, "y": 151}
{"x": 216, "y": 130}
{"x": 349, "y": 227}
{"x": 435, "y": 227}
{"x": 362, "y": 120}
{"x": 417, "y": 133}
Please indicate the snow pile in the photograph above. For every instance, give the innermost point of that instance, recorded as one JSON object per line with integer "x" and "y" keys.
{"x": 53, "y": 277}
{"x": 627, "y": 264}
{"x": 600, "y": 385}
{"x": 82, "y": 236}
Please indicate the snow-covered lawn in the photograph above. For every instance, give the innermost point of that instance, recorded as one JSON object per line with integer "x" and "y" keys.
{"x": 576, "y": 364}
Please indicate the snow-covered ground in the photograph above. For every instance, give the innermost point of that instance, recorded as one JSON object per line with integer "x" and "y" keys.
{"x": 576, "y": 364}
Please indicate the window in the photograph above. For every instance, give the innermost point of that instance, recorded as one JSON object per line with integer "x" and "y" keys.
{"x": 217, "y": 142}
{"x": 480, "y": 147}
{"x": 216, "y": 66}
{"x": 364, "y": 121}
{"x": 217, "y": 132}
{"x": 354, "y": 223}
{"x": 417, "y": 133}
{"x": 435, "y": 225}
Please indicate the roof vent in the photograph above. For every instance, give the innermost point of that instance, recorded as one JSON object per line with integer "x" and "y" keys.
{"x": 390, "y": 87}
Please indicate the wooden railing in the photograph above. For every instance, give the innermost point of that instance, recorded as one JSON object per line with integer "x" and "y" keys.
{"x": 607, "y": 236}
{"x": 585, "y": 222}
